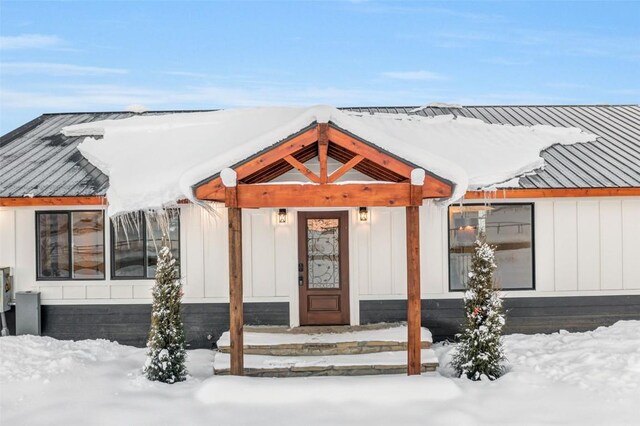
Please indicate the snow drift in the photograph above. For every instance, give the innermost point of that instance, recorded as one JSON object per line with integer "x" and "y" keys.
{"x": 152, "y": 161}
{"x": 580, "y": 379}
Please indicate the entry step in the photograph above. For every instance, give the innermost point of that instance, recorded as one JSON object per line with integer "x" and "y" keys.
{"x": 391, "y": 362}
{"x": 332, "y": 340}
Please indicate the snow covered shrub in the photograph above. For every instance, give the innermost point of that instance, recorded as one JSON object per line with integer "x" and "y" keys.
{"x": 479, "y": 352}
{"x": 166, "y": 345}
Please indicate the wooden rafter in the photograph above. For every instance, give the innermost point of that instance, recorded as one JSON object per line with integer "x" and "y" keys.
{"x": 269, "y": 157}
{"x": 214, "y": 190}
{"x": 345, "y": 168}
{"x": 302, "y": 169}
{"x": 367, "y": 167}
{"x": 281, "y": 167}
{"x": 433, "y": 187}
{"x": 370, "y": 152}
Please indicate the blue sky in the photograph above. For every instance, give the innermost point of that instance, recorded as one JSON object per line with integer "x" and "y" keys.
{"x": 104, "y": 56}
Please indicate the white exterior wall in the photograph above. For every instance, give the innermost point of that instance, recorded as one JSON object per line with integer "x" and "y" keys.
{"x": 583, "y": 246}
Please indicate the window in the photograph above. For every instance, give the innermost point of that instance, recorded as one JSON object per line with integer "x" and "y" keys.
{"x": 136, "y": 240}
{"x": 70, "y": 245}
{"x": 508, "y": 227}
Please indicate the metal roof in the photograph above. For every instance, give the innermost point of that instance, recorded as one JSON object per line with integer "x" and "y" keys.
{"x": 36, "y": 159}
{"x": 612, "y": 161}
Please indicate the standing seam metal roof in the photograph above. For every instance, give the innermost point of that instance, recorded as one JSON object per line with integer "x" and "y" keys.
{"x": 36, "y": 159}
{"x": 613, "y": 161}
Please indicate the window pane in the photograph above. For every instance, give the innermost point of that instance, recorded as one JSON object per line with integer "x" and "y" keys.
{"x": 88, "y": 245}
{"x": 128, "y": 247}
{"x": 53, "y": 245}
{"x": 155, "y": 225}
{"x": 323, "y": 255}
{"x": 508, "y": 227}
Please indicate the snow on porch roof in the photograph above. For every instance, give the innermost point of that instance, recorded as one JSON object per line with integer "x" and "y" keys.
{"x": 153, "y": 161}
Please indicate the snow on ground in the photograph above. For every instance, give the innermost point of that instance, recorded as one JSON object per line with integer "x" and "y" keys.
{"x": 188, "y": 147}
{"x": 564, "y": 378}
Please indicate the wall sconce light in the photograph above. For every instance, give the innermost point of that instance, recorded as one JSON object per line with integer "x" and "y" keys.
{"x": 363, "y": 214}
{"x": 282, "y": 216}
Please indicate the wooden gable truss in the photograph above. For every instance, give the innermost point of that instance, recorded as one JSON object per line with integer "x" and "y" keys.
{"x": 391, "y": 186}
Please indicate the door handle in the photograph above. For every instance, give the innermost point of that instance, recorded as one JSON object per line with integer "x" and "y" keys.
{"x": 300, "y": 276}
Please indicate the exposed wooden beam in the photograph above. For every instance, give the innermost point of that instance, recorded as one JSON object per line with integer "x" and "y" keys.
{"x": 302, "y": 169}
{"x": 552, "y": 192}
{"x": 278, "y": 152}
{"x": 269, "y": 173}
{"x": 281, "y": 167}
{"x": 214, "y": 190}
{"x": 330, "y": 195}
{"x": 323, "y": 147}
{"x": 236, "y": 317}
{"x": 369, "y": 168}
{"x": 345, "y": 168}
{"x": 414, "y": 362}
{"x": 211, "y": 191}
{"x": 374, "y": 161}
{"x": 52, "y": 201}
{"x": 370, "y": 152}
{"x": 435, "y": 188}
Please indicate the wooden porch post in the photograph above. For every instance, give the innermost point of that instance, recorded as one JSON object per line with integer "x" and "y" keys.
{"x": 236, "y": 317}
{"x": 414, "y": 361}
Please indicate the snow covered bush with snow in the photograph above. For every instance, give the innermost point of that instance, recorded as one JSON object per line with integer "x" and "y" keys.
{"x": 479, "y": 353}
{"x": 166, "y": 344}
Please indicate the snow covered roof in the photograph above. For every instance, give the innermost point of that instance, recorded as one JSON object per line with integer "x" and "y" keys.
{"x": 180, "y": 150}
{"x": 36, "y": 159}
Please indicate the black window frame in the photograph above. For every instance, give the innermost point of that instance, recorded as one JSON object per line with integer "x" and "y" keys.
{"x": 143, "y": 219}
{"x": 70, "y": 242}
{"x": 533, "y": 244}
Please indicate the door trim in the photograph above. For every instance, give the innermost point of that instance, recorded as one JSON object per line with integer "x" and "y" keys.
{"x": 345, "y": 294}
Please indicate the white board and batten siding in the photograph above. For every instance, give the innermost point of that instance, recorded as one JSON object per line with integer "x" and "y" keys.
{"x": 204, "y": 260}
{"x": 583, "y": 246}
{"x": 269, "y": 263}
{"x": 588, "y": 245}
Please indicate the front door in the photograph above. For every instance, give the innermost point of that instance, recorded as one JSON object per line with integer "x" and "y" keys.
{"x": 323, "y": 267}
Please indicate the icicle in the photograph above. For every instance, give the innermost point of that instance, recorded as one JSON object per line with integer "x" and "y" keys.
{"x": 126, "y": 222}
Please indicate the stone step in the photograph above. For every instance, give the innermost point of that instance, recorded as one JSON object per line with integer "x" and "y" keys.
{"x": 328, "y": 365}
{"x": 309, "y": 349}
{"x": 311, "y": 341}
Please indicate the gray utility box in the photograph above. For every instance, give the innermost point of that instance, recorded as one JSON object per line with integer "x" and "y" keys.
{"x": 6, "y": 289}
{"x": 28, "y": 313}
